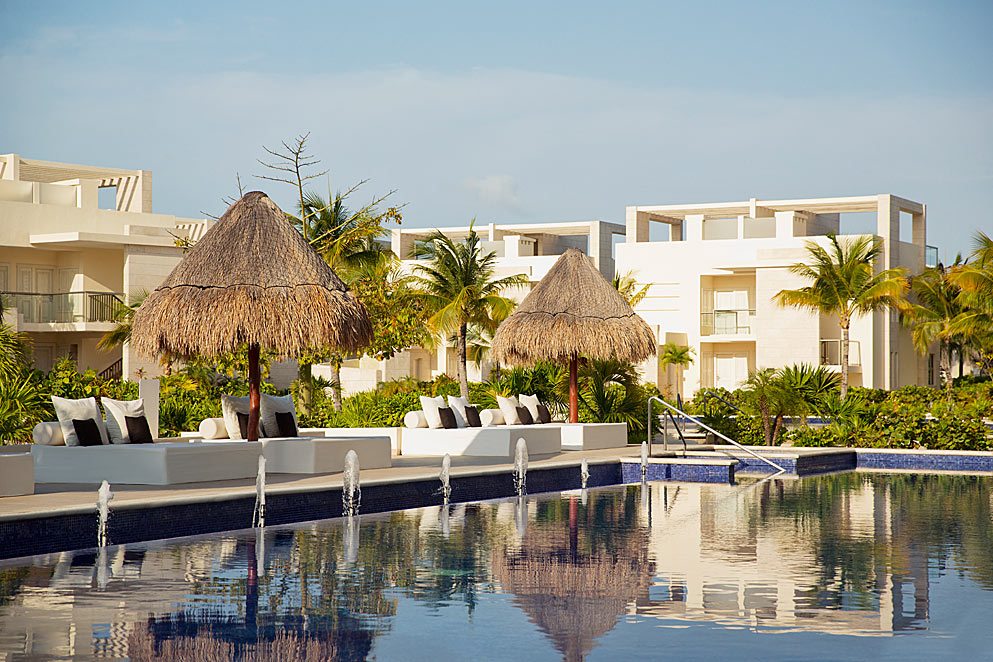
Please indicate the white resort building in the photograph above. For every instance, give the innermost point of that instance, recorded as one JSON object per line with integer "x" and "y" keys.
{"x": 75, "y": 242}
{"x": 530, "y": 249}
{"x": 714, "y": 272}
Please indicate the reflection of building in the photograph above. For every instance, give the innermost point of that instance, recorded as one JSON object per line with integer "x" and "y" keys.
{"x": 69, "y": 257}
{"x": 753, "y": 557}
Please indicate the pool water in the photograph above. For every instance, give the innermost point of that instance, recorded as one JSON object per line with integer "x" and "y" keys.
{"x": 843, "y": 567}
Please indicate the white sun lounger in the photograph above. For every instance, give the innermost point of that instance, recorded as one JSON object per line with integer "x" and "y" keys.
{"x": 166, "y": 463}
{"x": 323, "y": 455}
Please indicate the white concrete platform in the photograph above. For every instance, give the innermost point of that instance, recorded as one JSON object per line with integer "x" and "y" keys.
{"x": 16, "y": 474}
{"x": 324, "y": 455}
{"x": 593, "y": 436}
{"x": 395, "y": 434}
{"x": 494, "y": 441}
{"x": 146, "y": 464}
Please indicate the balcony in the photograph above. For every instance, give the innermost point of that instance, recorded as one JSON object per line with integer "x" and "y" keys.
{"x": 737, "y": 322}
{"x": 831, "y": 353}
{"x": 64, "y": 307}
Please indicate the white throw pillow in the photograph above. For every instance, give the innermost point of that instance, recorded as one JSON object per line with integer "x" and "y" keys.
{"x": 48, "y": 433}
{"x": 116, "y": 410}
{"x": 458, "y": 405}
{"x": 231, "y": 406}
{"x": 213, "y": 428}
{"x": 66, "y": 410}
{"x": 508, "y": 407}
{"x": 415, "y": 419}
{"x": 531, "y": 402}
{"x": 430, "y": 407}
{"x": 270, "y": 406}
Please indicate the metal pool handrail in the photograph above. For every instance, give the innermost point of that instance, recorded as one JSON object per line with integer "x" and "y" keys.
{"x": 708, "y": 429}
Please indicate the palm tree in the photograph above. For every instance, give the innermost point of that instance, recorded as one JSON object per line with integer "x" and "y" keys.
{"x": 458, "y": 288}
{"x": 629, "y": 288}
{"x": 679, "y": 356}
{"x": 932, "y": 313}
{"x": 121, "y": 333}
{"x": 768, "y": 394}
{"x": 845, "y": 284}
{"x": 348, "y": 241}
{"x": 975, "y": 281}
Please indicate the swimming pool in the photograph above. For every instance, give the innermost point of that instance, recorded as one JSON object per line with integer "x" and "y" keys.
{"x": 848, "y": 566}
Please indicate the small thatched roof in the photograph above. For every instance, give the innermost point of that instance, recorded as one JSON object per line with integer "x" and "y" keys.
{"x": 573, "y": 310}
{"x": 251, "y": 279}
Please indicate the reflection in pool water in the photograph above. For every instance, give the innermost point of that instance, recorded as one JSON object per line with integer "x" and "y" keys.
{"x": 837, "y": 567}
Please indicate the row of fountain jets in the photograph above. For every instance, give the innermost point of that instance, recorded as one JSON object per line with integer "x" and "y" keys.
{"x": 351, "y": 493}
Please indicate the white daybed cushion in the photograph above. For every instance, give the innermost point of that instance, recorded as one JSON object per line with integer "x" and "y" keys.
{"x": 531, "y": 402}
{"x": 430, "y": 408}
{"x": 231, "y": 406}
{"x": 116, "y": 410}
{"x": 508, "y": 407}
{"x": 66, "y": 410}
{"x": 270, "y": 406}
{"x": 490, "y": 417}
{"x": 48, "y": 433}
{"x": 415, "y": 419}
{"x": 458, "y": 405}
{"x": 213, "y": 428}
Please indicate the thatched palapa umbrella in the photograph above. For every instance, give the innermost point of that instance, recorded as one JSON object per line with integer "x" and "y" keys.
{"x": 574, "y": 311}
{"x": 252, "y": 280}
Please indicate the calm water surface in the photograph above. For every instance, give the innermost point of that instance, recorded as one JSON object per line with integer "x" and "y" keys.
{"x": 845, "y": 567}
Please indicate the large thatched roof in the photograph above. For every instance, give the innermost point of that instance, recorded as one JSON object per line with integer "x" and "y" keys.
{"x": 251, "y": 279}
{"x": 573, "y": 310}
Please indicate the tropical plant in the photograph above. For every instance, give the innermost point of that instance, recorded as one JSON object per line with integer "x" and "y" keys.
{"x": 770, "y": 397}
{"x": 934, "y": 308}
{"x": 23, "y": 404}
{"x": 810, "y": 383}
{"x": 629, "y": 288}
{"x": 844, "y": 283}
{"x": 975, "y": 280}
{"x": 678, "y": 356}
{"x": 609, "y": 392}
{"x": 458, "y": 288}
{"x": 15, "y": 352}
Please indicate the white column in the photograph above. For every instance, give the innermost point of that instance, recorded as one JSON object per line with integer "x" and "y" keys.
{"x": 148, "y": 391}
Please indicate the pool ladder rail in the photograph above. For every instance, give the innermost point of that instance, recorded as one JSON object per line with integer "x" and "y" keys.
{"x": 671, "y": 410}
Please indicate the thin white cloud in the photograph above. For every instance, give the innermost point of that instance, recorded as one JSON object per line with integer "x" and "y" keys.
{"x": 496, "y": 190}
{"x": 492, "y": 143}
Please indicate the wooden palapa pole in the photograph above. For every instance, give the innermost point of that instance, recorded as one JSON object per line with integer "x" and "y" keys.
{"x": 574, "y": 389}
{"x": 254, "y": 397}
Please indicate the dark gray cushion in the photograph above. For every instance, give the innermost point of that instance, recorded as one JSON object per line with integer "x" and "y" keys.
{"x": 472, "y": 417}
{"x": 447, "y": 418}
{"x": 287, "y": 423}
{"x": 138, "y": 430}
{"x": 524, "y": 415}
{"x": 87, "y": 432}
{"x": 543, "y": 414}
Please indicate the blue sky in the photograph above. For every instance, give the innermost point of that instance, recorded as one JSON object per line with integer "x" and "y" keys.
{"x": 518, "y": 111}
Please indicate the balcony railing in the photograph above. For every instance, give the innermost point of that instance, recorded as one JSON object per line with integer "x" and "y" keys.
{"x": 831, "y": 352}
{"x": 64, "y": 307}
{"x": 726, "y": 322}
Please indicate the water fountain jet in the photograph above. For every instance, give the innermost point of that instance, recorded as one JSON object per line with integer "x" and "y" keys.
{"x": 104, "y": 497}
{"x": 351, "y": 492}
{"x": 521, "y": 467}
{"x": 644, "y": 460}
{"x": 445, "y": 476}
{"x": 584, "y": 473}
{"x": 258, "y": 518}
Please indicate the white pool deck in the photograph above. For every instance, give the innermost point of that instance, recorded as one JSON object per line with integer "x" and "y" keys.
{"x": 72, "y": 498}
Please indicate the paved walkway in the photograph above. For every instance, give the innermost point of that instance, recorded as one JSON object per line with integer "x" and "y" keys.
{"x": 57, "y": 498}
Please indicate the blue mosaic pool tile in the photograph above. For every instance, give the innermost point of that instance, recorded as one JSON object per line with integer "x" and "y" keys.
{"x": 690, "y": 473}
{"x": 925, "y": 461}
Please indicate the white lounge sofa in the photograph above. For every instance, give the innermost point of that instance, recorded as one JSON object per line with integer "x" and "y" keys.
{"x": 592, "y": 436}
{"x": 492, "y": 441}
{"x": 394, "y": 434}
{"x": 16, "y": 474}
{"x": 322, "y": 455}
{"x": 167, "y": 463}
